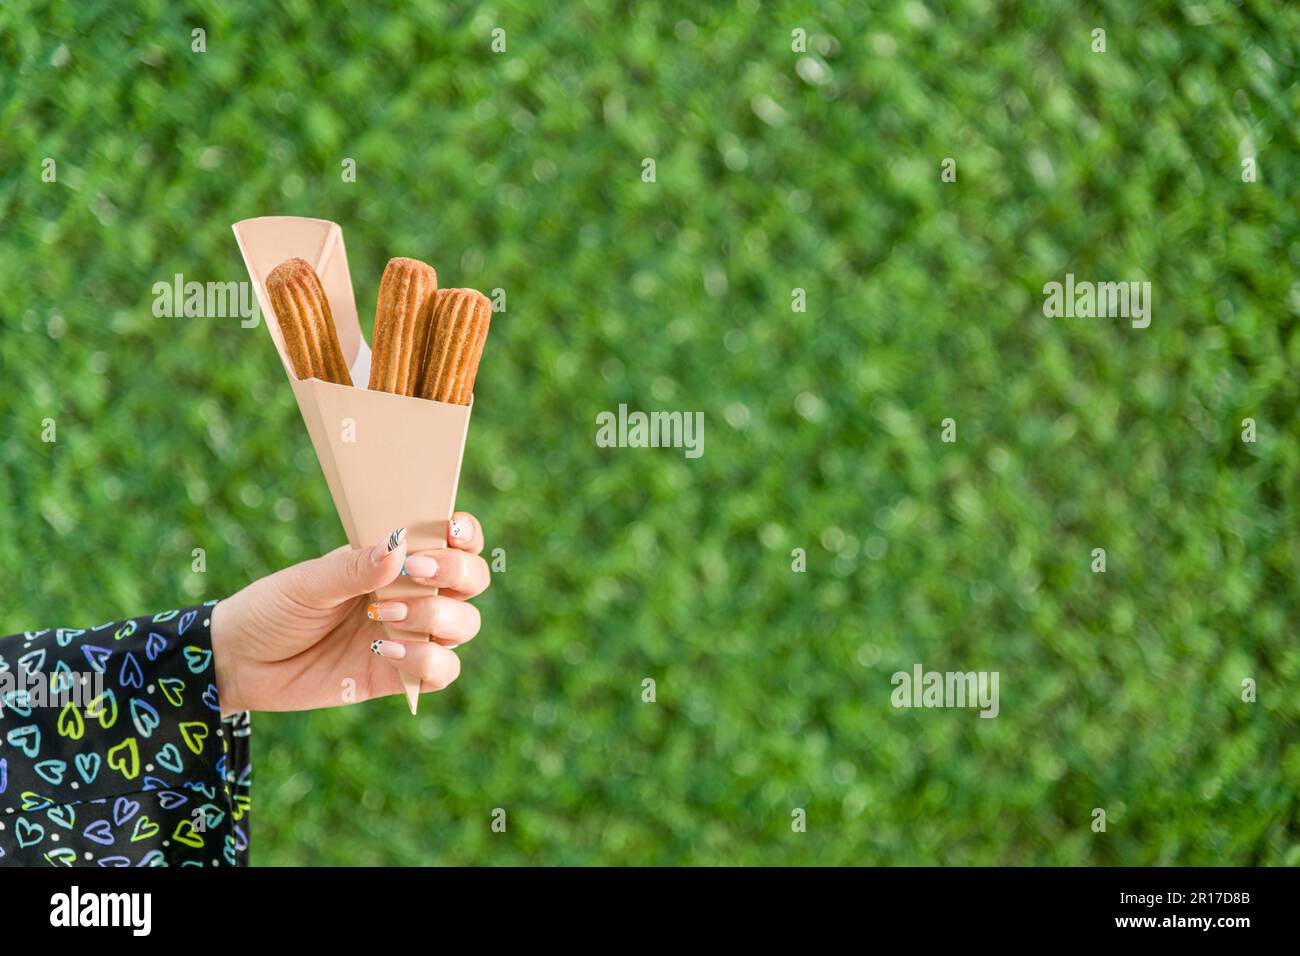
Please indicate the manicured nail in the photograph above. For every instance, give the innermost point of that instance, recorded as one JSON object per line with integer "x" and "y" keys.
{"x": 386, "y": 611}
{"x": 388, "y": 546}
{"x": 458, "y": 530}
{"x": 420, "y": 566}
{"x": 393, "y": 650}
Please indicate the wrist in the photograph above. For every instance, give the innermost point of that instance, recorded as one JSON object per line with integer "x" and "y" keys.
{"x": 222, "y": 634}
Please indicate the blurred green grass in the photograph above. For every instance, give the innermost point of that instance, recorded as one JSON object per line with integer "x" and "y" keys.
{"x": 775, "y": 170}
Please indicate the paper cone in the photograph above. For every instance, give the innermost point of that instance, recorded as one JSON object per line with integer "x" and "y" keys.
{"x": 390, "y": 461}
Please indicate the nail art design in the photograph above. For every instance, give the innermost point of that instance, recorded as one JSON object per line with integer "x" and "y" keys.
{"x": 372, "y": 612}
{"x": 420, "y": 566}
{"x": 395, "y": 539}
{"x": 456, "y": 530}
{"x": 389, "y": 650}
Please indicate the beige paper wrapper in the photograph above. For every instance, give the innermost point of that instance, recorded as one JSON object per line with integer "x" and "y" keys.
{"x": 390, "y": 461}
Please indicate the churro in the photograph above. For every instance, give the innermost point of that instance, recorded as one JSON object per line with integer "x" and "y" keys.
{"x": 460, "y": 327}
{"x": 403, "y": 320}
{"x": 306, "y": 325}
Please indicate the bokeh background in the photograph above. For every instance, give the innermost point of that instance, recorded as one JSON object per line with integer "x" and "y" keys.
{"x": 776, "y": 170}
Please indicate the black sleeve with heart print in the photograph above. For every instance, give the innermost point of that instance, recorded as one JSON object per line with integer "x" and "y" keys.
{"x": 113, "y": 751}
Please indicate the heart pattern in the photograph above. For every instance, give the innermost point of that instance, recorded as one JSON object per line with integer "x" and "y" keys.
{"x": 173, "y": 688}
{"x": 154, "y": 645}
{"x": 144, "y": 717}
{"x": 130, "y": 762}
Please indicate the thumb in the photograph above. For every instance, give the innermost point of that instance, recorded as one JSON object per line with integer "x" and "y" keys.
{"x": 349, "y": 572}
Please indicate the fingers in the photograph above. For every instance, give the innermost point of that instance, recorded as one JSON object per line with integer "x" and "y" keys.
{"x": 446, "y": 619}
{"x": 465, "y": 533}
{"x": 348, "y": 572}
{"x": 433, "y": 664}
{"x": 455, "y": 573}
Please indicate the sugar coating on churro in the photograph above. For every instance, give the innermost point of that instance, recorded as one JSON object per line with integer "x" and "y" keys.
{"x": 306, "y": 325}
{"x": 460, "y": 326}
{"x": 403, "y": 320}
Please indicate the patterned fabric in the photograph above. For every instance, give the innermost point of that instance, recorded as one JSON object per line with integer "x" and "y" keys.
{"x": 113, "y": 750}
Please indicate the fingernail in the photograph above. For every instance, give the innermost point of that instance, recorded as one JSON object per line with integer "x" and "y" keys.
{"x": 457, "y": 529}
{"x": 386, "y": 611}
{"x": 388, "y": 546}
{"x": 393, "y": 650}
{"x": 420, "y": 566}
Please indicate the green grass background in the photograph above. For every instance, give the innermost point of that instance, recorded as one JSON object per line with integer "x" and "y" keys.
{"x": 523, "y": 171}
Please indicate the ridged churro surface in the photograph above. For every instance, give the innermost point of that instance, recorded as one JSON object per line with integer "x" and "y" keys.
{"x": 303, "y": 314}
{"x": 403, "y": 320}
{"x": 460, "y": 327}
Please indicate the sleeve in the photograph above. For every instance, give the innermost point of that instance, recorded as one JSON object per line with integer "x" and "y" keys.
{"x": 113, "y": 751}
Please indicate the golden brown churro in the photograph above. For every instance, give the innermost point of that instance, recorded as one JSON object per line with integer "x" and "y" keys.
{"x": 306, "y": 325}
{"x": 460, "y": 327}
{"x": 403, "y": 319}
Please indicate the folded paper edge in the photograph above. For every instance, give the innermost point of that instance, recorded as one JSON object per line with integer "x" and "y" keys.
{"x": 330, "y": 260}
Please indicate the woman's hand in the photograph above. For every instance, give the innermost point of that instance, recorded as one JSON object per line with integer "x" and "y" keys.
{"x": 306, "y": 637}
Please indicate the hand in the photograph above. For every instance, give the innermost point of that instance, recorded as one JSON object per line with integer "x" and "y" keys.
{"x": 293, "y": 639}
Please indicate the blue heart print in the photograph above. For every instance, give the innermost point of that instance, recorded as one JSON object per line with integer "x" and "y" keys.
{"x": 99, "y": 832}
{"x": 169, "y": 758}
{"x": 197, "y": 659}
{"x": 154, "y": 645}
{"x": 96, "y": 657}
{"x": 65, "y": 816}
{"x": 62, "y": 678}
{"x": 130, "y": 675}
{"x": 27, "y": 739}
{"x": 34, "y": 801}
{"x": 71, "y": 805}
{"x": 212, "y": 816}
{"x": 123, "y": 810}
{"x": 144, "y": 716}
{"x": 28, "y": 832}
{"x": 87, "y": 765}
{"x": 51, "y": 771}
{"x": 19, "y": 701}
